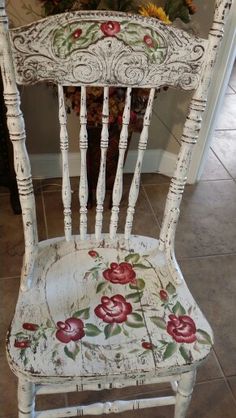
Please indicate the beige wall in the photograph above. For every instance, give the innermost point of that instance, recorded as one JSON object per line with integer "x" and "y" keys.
{"x": 39, "y": 102}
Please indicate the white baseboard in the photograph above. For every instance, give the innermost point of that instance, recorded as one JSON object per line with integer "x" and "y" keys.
{"x": 155, "y": 161}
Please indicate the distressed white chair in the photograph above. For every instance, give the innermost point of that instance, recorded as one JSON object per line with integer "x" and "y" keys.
{"x": 107, "y": 310}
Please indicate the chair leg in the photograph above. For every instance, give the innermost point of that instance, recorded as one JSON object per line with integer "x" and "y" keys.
{"x": 26, "y": 399}
{"x": 184, "y": 393}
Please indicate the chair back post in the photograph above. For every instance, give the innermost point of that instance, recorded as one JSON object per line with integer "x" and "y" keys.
{"x": 16, "y": 128}
{"x": 190, "y": 134}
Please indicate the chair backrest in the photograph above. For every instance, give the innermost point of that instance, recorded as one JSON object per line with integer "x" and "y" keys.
{"x": 107, "y": 50}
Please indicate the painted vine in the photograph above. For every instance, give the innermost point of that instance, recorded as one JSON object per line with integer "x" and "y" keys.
{"x": 75, "y": 36}
{"x": 118, "y": 313}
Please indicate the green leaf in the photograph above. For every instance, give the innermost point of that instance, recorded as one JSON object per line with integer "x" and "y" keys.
{"x": 141, "y": 266}
{"x": 170, "y": 288}
{"x": 135, "y": 320}
{"x": 71, "y": 354}
{"x": 178, "y": 309}
{"x": 94, "y": 269}
{"x": 135, "y": 297}
{"x": 92, "y": 330}
{"x": 82, "y": 313}
{"x": 101, "y": 286}
{"x": 184, "y": 353}
{"x": 203, "y": 337}
{"x": 158, "y": 321}
{"x": 112, "y": 329}
{"x": 170, "y": 350}
{"x": 133, "y": 258}
{"x": 140, "y": 284}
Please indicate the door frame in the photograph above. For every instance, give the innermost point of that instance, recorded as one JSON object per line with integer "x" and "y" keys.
{"x": 220, "y": 78}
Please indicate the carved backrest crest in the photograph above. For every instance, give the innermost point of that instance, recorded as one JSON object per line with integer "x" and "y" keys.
{"x": 99, "y": 48}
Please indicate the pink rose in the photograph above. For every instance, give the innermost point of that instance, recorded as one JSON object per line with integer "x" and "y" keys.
{"x": 163, "y": 295}
{"x": 182, "y": 328}
{"x": 93, "y": 253}
{"x": 22, "y": 343}
{"x": 77, "y": 33}
{"x": 148, "y": 41}
{"x": 30, "y": 327}
{"x": 122, "y": 273}
{"x": 147, "y": 345}
{"x": 114, "y": 309}
{"x": 110, "y": 28}
{"x": 70, "y": 330}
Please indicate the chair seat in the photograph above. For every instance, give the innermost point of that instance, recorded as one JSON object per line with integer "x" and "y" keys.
{"x": 99, "y": 308}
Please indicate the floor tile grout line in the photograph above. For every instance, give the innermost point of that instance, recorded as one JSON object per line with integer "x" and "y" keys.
{"x": 214, "y": 180}
{"x": 232, "y": 88}
{"x": 149, "y": 203}
{"x": 224, "y": 377}
{"x": 44, "y": 215}
{"x": 218, "y": 158}
{"x": 10, "y": 277}
{"x": 225, "y": 129}
{"x": 205, "y": 256}
{"x": 168, "y": 129}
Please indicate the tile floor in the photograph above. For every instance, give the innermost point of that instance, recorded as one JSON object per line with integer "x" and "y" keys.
{"x": 206, "y": 250}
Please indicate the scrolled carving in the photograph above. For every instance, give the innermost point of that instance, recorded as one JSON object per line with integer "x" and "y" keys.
{"x": 130, "y": 69}
{"x": 99, "y": 48}
{"x": 87, "y": 68}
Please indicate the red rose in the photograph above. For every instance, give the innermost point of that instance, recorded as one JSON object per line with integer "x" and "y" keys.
{"x": 114, "y": 309}
{"x": 30, "y": 327}
{"x": 110, "y": 28}
{"x": 182, "y": 328}
{"x": 76, "y": 34}
{"x": 93, "y": 253}
{"x": 22, "y": 343}
{"x": 122, "y": 273}
{"x": 70, "y": 330}
{"x": 148, "y": 41}
{"x": 163, "y": 295}
{"x": 147, "y": 345}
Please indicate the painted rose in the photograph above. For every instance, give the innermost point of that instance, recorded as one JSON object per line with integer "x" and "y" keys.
{"x": 77, "y": 33}
{"x": 114, "y": 309}
{"x": 163, "y": 295}
{"x": 122, "y": 273}
{"x": 70, "y": 330}
{"x": 110, "y": 28}
{"x": 148, "y": 41}
{"x": 147, "y": 345}
{"x": 182, "y": 328}
{"x": 93, "y": 253}
{"x": 22, "y": 343}
{"x": 29, "y": 326}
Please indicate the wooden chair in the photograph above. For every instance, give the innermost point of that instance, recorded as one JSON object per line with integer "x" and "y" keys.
{"x": 106, "y": 310}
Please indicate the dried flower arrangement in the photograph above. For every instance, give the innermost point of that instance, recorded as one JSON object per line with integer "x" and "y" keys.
{"x": 171, "y": 10}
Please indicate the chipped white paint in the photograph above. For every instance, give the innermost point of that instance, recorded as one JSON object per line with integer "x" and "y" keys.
{"x": 26, "y": 399}
{"x": 83, "y": 185}
{"x": 99, "y": 408}
{"x": 16, "y": 128}
{"x": 190, "y": 134}
{"x": 101, "y": 184}
{"x": 118, "y": 184}
{"x": 88, "y": 58}
{"x": 78, "y": 285}
{"x": 134, "y": 189}
{"x": 184, "y": 393}
{"x": 66, "y": 189}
